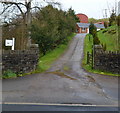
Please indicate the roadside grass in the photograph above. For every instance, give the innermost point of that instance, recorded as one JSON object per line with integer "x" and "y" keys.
{"x": 9, "y": 74}
{"x": 109, "y": 37}
{"x": 45, "y": 61}
{"x": 88, "y": 47}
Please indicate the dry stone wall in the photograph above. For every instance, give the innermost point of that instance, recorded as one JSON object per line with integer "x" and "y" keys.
{"x": 20, "y": 61}
{"x": 107, "y": 61}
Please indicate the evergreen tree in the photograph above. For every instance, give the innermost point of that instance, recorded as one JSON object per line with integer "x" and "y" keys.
{"x": 112, "y": 19}
{"x": 106, "y": 24}
{"x": 92, "y": 29}
{"x": 93, "y": 32}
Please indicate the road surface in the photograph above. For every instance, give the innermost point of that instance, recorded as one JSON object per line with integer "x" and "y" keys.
{"x": 64, "y": 83}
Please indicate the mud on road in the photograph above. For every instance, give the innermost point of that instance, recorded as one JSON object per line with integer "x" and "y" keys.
{"x": 65, "y": 82}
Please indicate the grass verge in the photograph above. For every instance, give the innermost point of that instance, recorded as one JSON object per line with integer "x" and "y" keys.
{"x": 88, "y": 48}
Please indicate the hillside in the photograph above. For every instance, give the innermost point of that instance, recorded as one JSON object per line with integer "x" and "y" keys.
{"x": 109, "y": 38}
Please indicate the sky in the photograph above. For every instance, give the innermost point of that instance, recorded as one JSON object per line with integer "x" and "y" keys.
{"x": 92, "y": 8}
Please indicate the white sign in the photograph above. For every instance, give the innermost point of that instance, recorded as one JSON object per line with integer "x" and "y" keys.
{"x": 10, "y": 43}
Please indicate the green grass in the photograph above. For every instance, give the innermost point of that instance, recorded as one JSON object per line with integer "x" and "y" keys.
{"x": 88, "y": 47}
{"x": 46, "y": 61}
{"x": 9, "y": 74}
{"x": 109, "y": 38}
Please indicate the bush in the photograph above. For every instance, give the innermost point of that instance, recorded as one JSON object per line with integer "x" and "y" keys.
{"x": 92, "y": 29}
{"x": 9, "y": 74}
{"x": 113, "y": 31}
{"x": 96, "y": 40}
{"x": 104, "y": 31}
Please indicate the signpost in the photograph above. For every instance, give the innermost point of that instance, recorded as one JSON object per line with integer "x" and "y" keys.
{"x": 10, "y": 43}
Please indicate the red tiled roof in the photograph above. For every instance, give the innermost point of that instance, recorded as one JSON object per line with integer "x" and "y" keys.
{"x": 82, "y": 17}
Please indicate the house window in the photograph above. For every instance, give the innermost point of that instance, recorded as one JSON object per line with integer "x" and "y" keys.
{"x": 83, "y": 29}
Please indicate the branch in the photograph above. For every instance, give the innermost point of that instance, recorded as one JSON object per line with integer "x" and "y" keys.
{"x": 5, "y": 9}
{"x": 36, "y": 8}
{"x": 13, "y": 3}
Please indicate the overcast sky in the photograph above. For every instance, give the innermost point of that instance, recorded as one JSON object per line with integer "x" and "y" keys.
{"x": 92, "y": 8}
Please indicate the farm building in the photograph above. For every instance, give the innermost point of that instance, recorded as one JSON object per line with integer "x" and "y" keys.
{"x": 83, "y": 25}
{"x": 82, "y": 17}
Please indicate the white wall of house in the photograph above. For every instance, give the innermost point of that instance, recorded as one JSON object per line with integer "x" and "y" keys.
{"x": 88, "y": 30}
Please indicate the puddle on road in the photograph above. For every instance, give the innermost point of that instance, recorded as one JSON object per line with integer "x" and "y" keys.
{"x": 62, "y": 75}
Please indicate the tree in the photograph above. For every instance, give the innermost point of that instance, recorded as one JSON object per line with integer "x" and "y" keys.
{"x": 106, "y": 24}
{"x": 118, "y": 20}
{"x": 93, "y": 32}
{"x": 112, "y": 19}
{"x": 24, "y": 13}
{"x": 51, "y": 27}
{"x": 92, "y": 29}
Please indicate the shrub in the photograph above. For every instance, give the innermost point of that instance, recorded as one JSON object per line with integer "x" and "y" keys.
{"x": 113, "y": 31}
{"x": 104, "y": 31}
{"x": 96, "y": 40}
{"x": 92, "y": 29}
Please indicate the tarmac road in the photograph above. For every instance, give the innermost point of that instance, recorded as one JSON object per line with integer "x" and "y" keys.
{"x": 64, "y": 83}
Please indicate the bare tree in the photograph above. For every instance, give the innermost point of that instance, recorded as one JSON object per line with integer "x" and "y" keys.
{"x": 24, "y": 9}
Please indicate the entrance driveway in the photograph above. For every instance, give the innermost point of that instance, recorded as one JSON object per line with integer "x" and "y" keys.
{"x": 64, "y": 83}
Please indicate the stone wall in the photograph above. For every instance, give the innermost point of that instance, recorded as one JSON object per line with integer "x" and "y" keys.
{"x": 20, "y": 61}
{"x": 107, "y": 61}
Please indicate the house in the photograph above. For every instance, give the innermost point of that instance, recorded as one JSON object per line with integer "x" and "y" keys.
{"x": 83, "y": 25}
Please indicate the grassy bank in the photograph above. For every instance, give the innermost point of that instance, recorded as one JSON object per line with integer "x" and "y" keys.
{"x": 88, "y": 48}
{"x": 109, "y": 38}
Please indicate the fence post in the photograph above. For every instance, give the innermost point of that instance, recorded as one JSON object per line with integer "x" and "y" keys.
{"x": 88, "y": 57}
{"x": 92, "y": 56}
